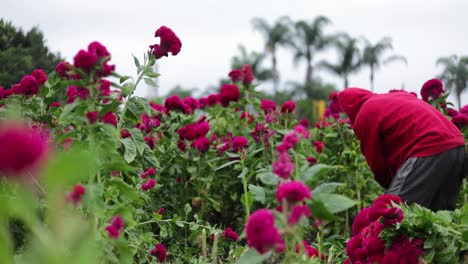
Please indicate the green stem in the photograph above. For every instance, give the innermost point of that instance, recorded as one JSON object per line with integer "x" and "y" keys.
{"x": 246, "y": 197}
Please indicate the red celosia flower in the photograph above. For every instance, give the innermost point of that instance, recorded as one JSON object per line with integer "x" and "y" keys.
{"x": 54, "y": 104}
{"x": 236, "y": 75}
{"x": 267, "y": 106}
{"x": 261, "y": 231}
{"x": 124, "y": 133}
{"x": 161, "y": 211}
{"x": 92, "y": 117}
{"x": 181, "y": 145}
{"x": 229, "y": 93}
{"x": 62, "y": 69}
{"x": 319, "y": 145}
{"x": 360, "y": 221}
{"x": 248, "y": 116}
{"x": 288, "y": 107}
{"x": 304, "y": 122}
{"x": 85, "y": 60}
{"x": 353, "y": 247}
{"x": 239, "y": 143}
{"x": 432, "y": 89}
{"x": 21, "y": 149}
{"x": 150, "y": 141}
{"x": 202, "y": 128}
{"x": 28, "y": 85}
{"x": 373, "y": 245}
{"x": 74, "y": 92}
{"x": 247, "y": 74}
{"x": 302, "y": 131}
{"x": 174, "y": 102}
{"x": 40, "y": 76}
{"x": 452, "y": 112}
{"x": 297, "y": 212}
{"x": 112, "y": 231}
{"x": 312, "y": 161}
{"x": 98, "y": 49}
{"x": 158, "y": 108}
{"x": 460, "y": 120}
{"x": 76, "y": 194}
{"x": 309, "y": 250}
{"x": 188, "y": 132}
{"x": 159, "y": 251}
{"x": 213, "y": 99}
{"x": 148, "y": 185}
{"x": 192, "y": 103}
{"x": 292, "y": 191}
{"x": 169, "y": 43}
{"x": 228, "y": 233}
{"x": 117, "y": 224}
{"x": 104, "y": 87}
{"x": 201, "y": 144}
{"x": 283, "y": 167}
{"x": 110, "y": 118}
{"x": 407, "y": 251}
{"x": 290, "y": 140}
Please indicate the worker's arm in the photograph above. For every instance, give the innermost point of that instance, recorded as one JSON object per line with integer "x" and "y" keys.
{"x": 368, "y": 130}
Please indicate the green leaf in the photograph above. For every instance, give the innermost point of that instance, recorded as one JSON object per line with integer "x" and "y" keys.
{"x": 319, "y": 211}
{"x": 127, "y": 190}
{"x": 227, "y": 164}
{"x": 140, "y": 142}
{"x": 251, "y": 256}
{"x": 148, "y": 155}
{"x": 137, "y": 62}
{"x": 152, "y": 74}
{"x": 334, "y": 202}
{"x": 315, "y": 171}
{"x": 249, "y": 199}
{"x": 268, "y": 178}
{"x": 150, "y": 82}
{"x": 93, "y": 199}
{"x": 125, "y": 253}
{"x": 124, "y": 78}
{"x": 258, "y": 193}
{"x": 130, "y": 151}
{"x": 327, "y": 187}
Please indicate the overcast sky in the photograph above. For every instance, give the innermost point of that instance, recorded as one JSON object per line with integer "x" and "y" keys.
{"x": 210, "y": 30}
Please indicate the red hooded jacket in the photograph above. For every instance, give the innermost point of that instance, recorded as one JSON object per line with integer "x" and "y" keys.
{"x": 394, "y": 127}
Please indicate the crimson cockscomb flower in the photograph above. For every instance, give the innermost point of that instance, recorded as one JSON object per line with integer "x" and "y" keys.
{"x": 247, "y": 74}
{"x": 460, "y": 120}
{"x": 267, "y": 106}
{"x": 212, "y": 99}
{"x": 22, "y": 149}
{"x": 161, "y": 211}
{"x": 360, "y": 221}
{"x": 192, "y": 102}
{"x": 159, "y": 251}
{"x": 76, "y": 194}
{"x": 201, "y": 144}
{"x": 149, "y": 172}
{"x": 62, "y": 69}
{"x": 292, "y": 191}
{"x": 85, "y": 60}
{"x": 319, "y": 145}
{"x": 261, "y": 231}
{"x": 288, "y": 107}
{"x": 92, "y": 117}
{"x": 304, "y": 122}
{"x": 110, "y": 118}
{"x": 55, "y": 104}
{"x": 28, "y": 85}
{"x": 297, "y": 212}
{"x": 40, "y": 76}
{"x": 148, "y": 185}
{"x": 104, "y": 87}
{"x": 124, "y": 133}
{"x": 236, "y": 75}
{"x": 228, "y": 93}
{"x": 169, "y": 43}
{"x": 311, "y": 160}
{"x": 150, "y": 141}
{"x": 174, "y": 102}
{"x": 228, "y": 233}
{"x": 310, "y": 251}
{"x": 432, "y": 89}
{"x": 98, "y": 49}
{"x": 239, "y": 143}
{"x": 283, "y": 167}
{"x": 290, "y": 140}
{"x": 113, "y": 229}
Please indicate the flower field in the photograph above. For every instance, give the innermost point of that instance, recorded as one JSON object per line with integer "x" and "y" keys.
{"x": 93, "y": 174}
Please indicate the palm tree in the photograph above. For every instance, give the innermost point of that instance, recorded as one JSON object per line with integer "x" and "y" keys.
{"x": 349, "y": 60}
{"x": 254, "y": 59}
{"x": 454, "y": 74}
{"x": 372, "y": 56}
{"x": 275, "y": 35}
{"x": 307, "y": 41}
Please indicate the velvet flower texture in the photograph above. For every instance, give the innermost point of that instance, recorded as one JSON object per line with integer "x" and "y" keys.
{"x": 244, "y": 75}
{"x": 261, "y": 231}
{"x": 113, "y": 229}
{"x": 283, "y": 167}
{"x": 432, "y": 89}
{"x": 22, "y": 150}
{"x": 169, "y": 43}
{"x": 228, "y": 93}
{"x": 76, "y": 195}
{"x": 159, "y": 251}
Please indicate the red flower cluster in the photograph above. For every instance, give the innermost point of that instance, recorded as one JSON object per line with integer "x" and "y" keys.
{"x": 117, "y": 224}
{"x": 169, "y": 43}
{"x": 267, "y": 106}
{"x": 244, "y": 75}
{"x": 288, "y": 107}
{"x": 460, "y": 119}
{"x": 283, "y": 167}
{"x": 87, "y": 59}
{"x": 432, "y": 89}
{"x": 228, "y": 233}
{"x": 76, "y": 194}
{"x": 309, "y": 250}
{"x": 293, "y": 192}
{"x": 228, "y": 93}
{"x": 159, "y": 251}
{"x": 366, "y": 246}
{"x": 149, "y": 172}
{"x": 262, "y": 233}
{"x": 22, "y": 149}
{"x": 239, "y": 143}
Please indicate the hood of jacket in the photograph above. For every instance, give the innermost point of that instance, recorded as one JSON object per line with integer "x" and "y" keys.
{"x": 351, "y": 101}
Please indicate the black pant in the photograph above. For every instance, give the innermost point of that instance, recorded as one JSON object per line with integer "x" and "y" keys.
{"x": 433, "y": 182}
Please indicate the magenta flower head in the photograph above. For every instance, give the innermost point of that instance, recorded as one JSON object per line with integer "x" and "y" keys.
{"x": 159, "y": 251}
{"x": 236, "y": 75}
{"x": 148, "y": 185}
{"x": 288, "y": 107}
{"x": 98, "y": 49}
{"x": 261, "y": 231}
{"x": 201, "y": 144}
{"x": 239, "y": 143}
{"x": 228, "y": 233}
{"x": 192, "y": 103}
{"x": 28, "y": 85}
{"x": 247, "y": 74}
{"x": 460, "y": 120}
{"x": 293, "y": 191}
{"x": 22, "y": 151}
{"x": 110, "y": 118}
{"x": 85, "y": 60}
{"x": 169, "y": 43}
{"x": 267, "y": 106}
{"x": 113, "y": 229}
{"x": 40, "y": 76}
{"x": 76, "y": 195}
{"x": 62, "y": 69}
{"x": 283, "y": 167}
{"x": 432, "y": 89}
{"x": 229, "y": 93}
{"x": 174, "y": 102}
{"x": 297, "y": 212}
